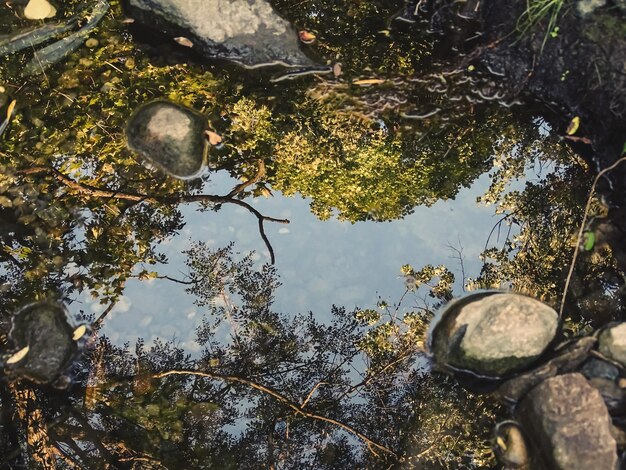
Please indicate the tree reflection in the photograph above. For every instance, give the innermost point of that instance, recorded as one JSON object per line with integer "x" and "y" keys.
{"x": 287, "y": 391}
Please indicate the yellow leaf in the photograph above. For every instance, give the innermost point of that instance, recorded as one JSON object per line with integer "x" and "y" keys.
{"x": 573, "y": 126}
{"x": 79, "y": 332}
{"x": 18, "y": 356}
{"x": 10, "y": 109}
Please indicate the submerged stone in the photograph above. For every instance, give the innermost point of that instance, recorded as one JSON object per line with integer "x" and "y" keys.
{"x": 568, "y": 424}
{"x": 249, "y": 32}
{"x": 510, "y": 445}
{"x": 43, "y": 340}
{"x": 493, "y": 333}
{"x": 169, "y": 136}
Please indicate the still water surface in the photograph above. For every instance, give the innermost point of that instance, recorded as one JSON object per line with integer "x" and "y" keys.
{"x": 199, "y": 358}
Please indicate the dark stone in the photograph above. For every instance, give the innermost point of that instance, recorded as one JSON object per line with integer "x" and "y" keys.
{"x": 568, "y": 425}
{"x": 249, "y": 32}
{"x": 169, "y": 136}
{"x": 597, "y": 368}
{"x": 45, "y": 329}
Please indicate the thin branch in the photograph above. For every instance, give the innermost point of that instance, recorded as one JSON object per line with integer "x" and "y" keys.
{"x": 103, "y": 315}
{"x": 582, "y": 228}
{"x": 372, "y": 445}
{"x": 308, "y": 397}
{"x": 82, "y": 188}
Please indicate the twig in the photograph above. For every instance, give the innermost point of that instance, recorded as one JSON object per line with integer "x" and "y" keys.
{"x": 372, "y": 445}
{"x": 308, "y": 397}
{"x": 582, "y": 228}
{"x": 102, "y": 316}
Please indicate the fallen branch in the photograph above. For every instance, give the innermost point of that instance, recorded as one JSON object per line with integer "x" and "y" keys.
{"x": 299, "y": 409}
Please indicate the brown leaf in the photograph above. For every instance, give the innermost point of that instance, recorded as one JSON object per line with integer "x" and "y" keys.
{"x": 214, "y": 137}
{"x": 306, "y": 37}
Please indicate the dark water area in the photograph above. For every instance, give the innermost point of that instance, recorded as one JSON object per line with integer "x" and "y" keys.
{"x": 272, "y": 311}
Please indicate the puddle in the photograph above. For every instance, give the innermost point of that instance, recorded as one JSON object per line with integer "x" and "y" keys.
{"x": 203, "y": 353}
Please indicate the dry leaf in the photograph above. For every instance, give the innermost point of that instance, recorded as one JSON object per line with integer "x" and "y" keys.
{"x": 183, "y": 41}
{"x": 18, "y": 356}
{"x": 214, "y": 137}
{"x": 39, "y": 10}
{"x": 368, "y": 81}
{"x": 337, "y": 70}
{"x": 306, "y": 37}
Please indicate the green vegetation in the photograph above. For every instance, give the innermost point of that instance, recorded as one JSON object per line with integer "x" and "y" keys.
{"x": 541, "y": 12}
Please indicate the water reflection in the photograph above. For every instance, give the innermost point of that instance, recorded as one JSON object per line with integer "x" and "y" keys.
{"x": 223, "y": 367}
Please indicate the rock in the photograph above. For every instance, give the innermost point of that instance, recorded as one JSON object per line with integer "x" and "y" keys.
{"x": 510, "y": 446}
{"x": 493, "y": 333}
{"x": 39, "y": 10}
{"x": 169, "y": 136}
{"x": 613, "y": 343}
{"x": 596, "y": 368}
{"x": 567, "y": 359}
{"x": 44, "y": 335}
{"x": 568, "y": 425}
{"x": 249, "y": 32}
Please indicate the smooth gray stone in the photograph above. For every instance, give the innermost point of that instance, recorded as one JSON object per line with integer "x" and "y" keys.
{"x": 249, "y": 32}
{"x": 493, "y": 334}
{"x": 169, "y": 136}
{"x": 45, "y": 329}
{"x": 568, "y": 424}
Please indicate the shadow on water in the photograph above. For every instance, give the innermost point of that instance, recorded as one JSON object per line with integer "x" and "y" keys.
{"x": 203, "y": 353}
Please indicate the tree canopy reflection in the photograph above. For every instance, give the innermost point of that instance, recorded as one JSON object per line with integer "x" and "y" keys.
{"x": 288, "y": 391}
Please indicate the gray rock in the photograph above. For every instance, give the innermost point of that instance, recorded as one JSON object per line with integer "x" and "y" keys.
{"x": 45, "y": 329}
{"x": 568, "y": 425}
{"x": 493, "y": 334}
{"x": 249, "y": 32}
{"x": 613, "y": 343}
{"x": 170, "y": 137}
